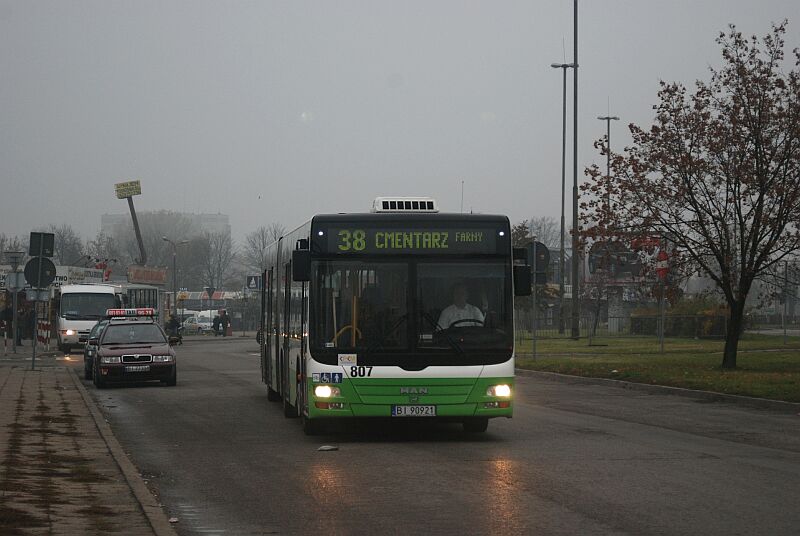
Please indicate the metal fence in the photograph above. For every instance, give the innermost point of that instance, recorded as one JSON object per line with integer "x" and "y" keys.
{"x": 683, "y": 326}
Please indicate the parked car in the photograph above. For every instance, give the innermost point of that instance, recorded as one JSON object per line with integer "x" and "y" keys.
{"x": 195, "y": 324}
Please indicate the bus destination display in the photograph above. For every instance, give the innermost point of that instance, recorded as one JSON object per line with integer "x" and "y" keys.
{"x": 366, "y": 240}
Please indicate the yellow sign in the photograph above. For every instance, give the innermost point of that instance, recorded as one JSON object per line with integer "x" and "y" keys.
{"x": 128, "y": 189}
{"x": 183, "y": 296}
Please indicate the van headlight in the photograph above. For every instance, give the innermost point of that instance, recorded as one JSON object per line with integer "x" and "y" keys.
{"x": 163, "y": 359}
{"x": 68, "y": 332}
{"x": 502, "y": 390}
{"x": 110, "y": 359}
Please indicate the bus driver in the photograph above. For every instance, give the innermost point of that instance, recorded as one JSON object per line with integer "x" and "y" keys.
{"x": 460, "y": 313}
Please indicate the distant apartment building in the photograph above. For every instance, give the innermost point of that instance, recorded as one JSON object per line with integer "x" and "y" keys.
{"x": 198, "y": 224}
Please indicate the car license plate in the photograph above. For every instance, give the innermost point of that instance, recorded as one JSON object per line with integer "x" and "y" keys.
{"x": 137, "y": 368}
{"x": 413, "y": 411}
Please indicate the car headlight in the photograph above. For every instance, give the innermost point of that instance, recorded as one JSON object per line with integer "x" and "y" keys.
{"x": 162, "y": 359}
{"x": 111, "y": 359}
{"x": 502, "y": 390}
{"x": 326, "y": 391}
{"x": 69, "y": 332}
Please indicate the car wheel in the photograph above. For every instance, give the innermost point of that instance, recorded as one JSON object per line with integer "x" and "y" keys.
{"x": 87, "y": 371}
{"x": 173, "y": 381}
{"x": 98, "y": 380}
{"x": 476, "y": 425}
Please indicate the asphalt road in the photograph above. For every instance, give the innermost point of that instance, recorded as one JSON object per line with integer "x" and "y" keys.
{"x": 575, "y": 459}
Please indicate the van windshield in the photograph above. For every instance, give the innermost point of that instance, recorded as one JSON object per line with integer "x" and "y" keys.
{"x": 86, "y": 306}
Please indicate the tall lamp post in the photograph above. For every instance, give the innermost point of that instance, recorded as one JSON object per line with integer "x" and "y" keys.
{"x": 576, "y": 299}
{"x": 174, "y": 273}
{"x": 608, "y": 119}
{"x": 563, "y": 67}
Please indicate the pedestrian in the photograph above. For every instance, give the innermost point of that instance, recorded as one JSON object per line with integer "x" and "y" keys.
{"x": 6, "y": 318}
{"x": 174, "y": 328}
{"x": 215, "y": 324}
{"x": 20, "y": 324}
{"x": 225, "y": 321}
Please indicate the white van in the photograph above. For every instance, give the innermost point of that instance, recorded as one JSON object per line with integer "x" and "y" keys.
{"x": 79, "y": 309}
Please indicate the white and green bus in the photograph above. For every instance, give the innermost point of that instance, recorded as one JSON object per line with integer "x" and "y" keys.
{"x": 401, "y": 312}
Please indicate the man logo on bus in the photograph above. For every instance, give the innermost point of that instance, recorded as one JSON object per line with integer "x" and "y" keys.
{"x": 413, "y": 390}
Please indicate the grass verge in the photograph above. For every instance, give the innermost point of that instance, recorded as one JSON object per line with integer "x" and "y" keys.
{"x": 762, "y": 371}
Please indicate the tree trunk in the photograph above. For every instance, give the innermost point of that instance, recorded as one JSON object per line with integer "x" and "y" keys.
{"x": 733, "y": 334}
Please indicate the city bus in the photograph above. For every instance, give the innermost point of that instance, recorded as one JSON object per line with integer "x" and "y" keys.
{"x": 399, "y": 312}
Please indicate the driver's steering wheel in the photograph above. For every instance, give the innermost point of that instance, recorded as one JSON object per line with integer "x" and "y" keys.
{"x": 472, "y": 321}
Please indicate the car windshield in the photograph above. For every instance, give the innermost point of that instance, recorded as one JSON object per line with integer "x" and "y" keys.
{"x": 133, "y": 334}
{"x": 86, "y": 306}
{"x": 96, "y": 329}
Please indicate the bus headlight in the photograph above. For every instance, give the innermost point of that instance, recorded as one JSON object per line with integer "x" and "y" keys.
{"x": 326, "y": 391}
{"x": 502, "y": 390}
{"x": 110, "y": 359}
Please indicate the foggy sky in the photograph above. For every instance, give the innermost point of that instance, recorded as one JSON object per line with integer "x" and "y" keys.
{"x": 274, "y": 111}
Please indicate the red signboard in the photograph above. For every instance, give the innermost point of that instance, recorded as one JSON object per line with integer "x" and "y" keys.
{"x": 147, "y": 275}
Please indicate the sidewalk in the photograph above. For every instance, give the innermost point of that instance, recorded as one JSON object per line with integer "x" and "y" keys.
{"x": 58, "y": 470}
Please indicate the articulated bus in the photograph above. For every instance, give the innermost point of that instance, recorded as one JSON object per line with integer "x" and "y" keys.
{"x": 400, "y": 312}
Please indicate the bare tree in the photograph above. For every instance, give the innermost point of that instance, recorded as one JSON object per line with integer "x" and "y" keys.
{"x": 544, "y": 228}
{"x": 218, "y": 255}
{"x": 254, "y": 249}
{"x": 68, "y": 245}
{"x": 718, "y": 174}
{"x": 12, "y": 243}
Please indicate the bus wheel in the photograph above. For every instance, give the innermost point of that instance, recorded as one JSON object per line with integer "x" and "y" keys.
{"x": 288, "y": 410}
{"x": 312, "y": 427}
{"x": 476, "y": 425}
{"x": 273, "y": 395}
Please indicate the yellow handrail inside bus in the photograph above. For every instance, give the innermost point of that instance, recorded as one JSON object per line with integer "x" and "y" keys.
{"x": 345, "y": 328}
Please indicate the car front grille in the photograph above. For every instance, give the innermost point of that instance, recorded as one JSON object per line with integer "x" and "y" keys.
{"x": 137, "y": 358}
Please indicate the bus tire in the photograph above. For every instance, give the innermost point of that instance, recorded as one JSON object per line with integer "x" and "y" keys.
{"x": 273, "y": 395}
{"x": 312, "y": 427}
{"x": 288, "y": 410}
{"x": 476, "y": 425}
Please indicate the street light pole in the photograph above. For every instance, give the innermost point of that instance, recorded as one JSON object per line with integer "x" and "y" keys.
{"x": 575, "y": 243}
{"x": 563, "y": 67}
{"x": 174, "y": 274}
{"x": 608, "y": 119}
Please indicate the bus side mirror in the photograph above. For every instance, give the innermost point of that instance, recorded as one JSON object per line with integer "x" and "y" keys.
{"x": 301, "y": 265}
{"x": 522, "y": 280}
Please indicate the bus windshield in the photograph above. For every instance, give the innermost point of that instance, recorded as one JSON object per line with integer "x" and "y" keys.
{"x": 361, "y": 305}
{"x": 86, "y": 306}
{"x": 416, "y": 307}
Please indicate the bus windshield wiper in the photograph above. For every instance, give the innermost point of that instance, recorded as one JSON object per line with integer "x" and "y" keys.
{"x": 453, "y": 344}
{"x": 378, "y": 343}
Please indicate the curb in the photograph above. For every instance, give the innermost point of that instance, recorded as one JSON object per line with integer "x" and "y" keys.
{"x": 147, "y": 502}
{"x": 761, "y": 403}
